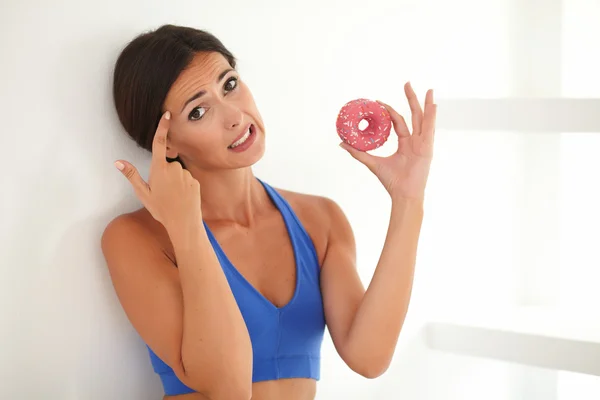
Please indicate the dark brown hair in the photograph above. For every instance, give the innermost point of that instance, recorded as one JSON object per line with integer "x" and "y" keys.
{"x": 146, "y": 69}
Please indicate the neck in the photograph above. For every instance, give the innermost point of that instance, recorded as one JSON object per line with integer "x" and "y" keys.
{"x": 231, "y": 196}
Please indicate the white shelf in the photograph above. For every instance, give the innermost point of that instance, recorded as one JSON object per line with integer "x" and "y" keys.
{"x": 547, "y": 115}
{"x": 547, "y": 339}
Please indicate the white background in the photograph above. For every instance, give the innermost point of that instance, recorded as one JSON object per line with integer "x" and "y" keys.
{"x": 511, "y": 217}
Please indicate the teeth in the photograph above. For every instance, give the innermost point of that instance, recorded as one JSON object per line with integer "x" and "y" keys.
{"x": 241, "y": 140}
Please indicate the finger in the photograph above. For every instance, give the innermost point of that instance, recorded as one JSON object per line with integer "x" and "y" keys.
{"x": 363, "y": 157}
{"x": 429, "y": 119}
{"x": 415, "y": 109}
{"x": 159, "y": 143}
{"x": 140, "y": 186}
{"x": 428, "y": 126}
{"x": 398, "y": 120}
{"x": 429, "y": 97}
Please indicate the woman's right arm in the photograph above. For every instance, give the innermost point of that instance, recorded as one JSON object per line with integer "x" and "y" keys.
{"x": 185, "y": 312}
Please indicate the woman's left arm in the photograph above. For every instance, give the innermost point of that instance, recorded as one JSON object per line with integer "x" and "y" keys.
{"x": 365, "y": 325}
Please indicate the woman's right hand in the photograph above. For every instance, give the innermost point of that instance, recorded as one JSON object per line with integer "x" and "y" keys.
{"x": 172, "y": 194}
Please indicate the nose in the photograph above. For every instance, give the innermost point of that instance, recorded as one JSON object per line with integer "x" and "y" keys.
{"x": 232, "y": 116}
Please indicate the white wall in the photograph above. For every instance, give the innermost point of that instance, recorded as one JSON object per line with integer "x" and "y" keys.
{"x": 62, "y": 331}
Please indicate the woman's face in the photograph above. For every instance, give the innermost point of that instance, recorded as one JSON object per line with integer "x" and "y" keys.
{"x": 214, "y": 121}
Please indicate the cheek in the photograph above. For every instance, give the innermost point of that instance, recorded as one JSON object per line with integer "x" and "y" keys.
{"x": 204, "y": 138}
{"x": 250, "y": 106}
{"x": 246, "y": 95}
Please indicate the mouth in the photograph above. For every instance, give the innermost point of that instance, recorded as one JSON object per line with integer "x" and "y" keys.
{"x": 243, "y": 137}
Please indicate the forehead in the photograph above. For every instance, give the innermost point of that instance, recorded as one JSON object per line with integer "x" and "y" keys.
{"x": 202, "y": 72}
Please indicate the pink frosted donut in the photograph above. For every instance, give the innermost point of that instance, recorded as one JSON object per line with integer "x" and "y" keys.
{"x": 374, "y": 135}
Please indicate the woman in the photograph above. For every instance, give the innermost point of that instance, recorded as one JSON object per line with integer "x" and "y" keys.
{"x": 229, "y": 281}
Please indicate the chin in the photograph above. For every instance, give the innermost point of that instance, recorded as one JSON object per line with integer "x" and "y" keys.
{"x": 256, "y": 154}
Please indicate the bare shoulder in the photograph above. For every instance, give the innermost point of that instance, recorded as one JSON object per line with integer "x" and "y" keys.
{"x": 322, "y": 208}
{"x": 321, "y": 216}
{"x": 122, "y": 225}
{"x": 134, "y": 229}
{"x": 307, "y": 202}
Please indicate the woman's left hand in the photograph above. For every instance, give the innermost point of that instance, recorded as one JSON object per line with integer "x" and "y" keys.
{"x": 404, "y": 174}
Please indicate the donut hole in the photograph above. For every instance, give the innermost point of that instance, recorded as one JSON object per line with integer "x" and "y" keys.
{"x": 363, "y": 124}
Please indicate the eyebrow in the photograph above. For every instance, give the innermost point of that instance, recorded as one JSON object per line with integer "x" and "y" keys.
{"x": 203, "y": 92}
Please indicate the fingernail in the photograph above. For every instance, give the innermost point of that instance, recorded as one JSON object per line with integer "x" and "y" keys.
{"x": 168, "y": 115}
{"x": 120, "y": 166}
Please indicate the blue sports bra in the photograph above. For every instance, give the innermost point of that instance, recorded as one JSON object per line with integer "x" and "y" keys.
{"x": 286, "y": 341}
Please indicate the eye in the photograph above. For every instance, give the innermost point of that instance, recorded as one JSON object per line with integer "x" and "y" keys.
{"x": 231, "y": 84}
{"x": 197, "y": 113}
